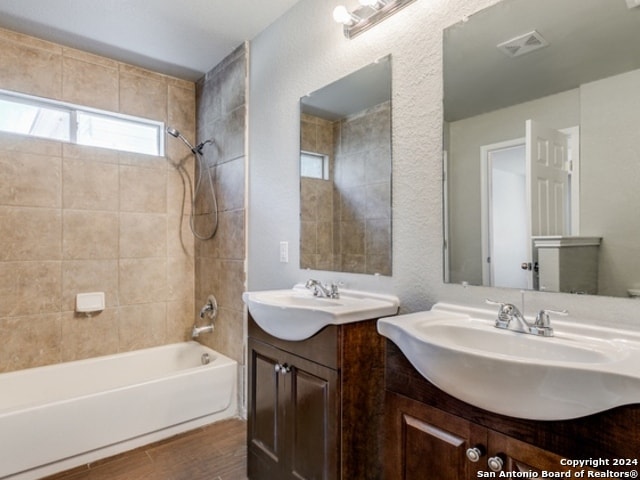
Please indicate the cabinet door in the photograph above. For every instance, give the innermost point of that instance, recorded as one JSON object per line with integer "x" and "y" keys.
{"x": 265, "y": 412}
{"x": 312, "y": 420}
{"x": 518, "y": 456}
{"x": 424, "y": 442}
{"x": 293, "y": 417}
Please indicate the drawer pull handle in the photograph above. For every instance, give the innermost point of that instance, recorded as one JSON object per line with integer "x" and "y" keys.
{"x": 475, "y": 453}
{"x": 282, "y": 369}
{"x": 495, "y": 463}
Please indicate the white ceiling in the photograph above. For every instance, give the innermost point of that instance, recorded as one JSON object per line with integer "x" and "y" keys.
{"x": 182, "y": 38}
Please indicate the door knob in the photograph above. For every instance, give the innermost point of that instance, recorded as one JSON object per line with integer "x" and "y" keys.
{"x": 526, "y": 266}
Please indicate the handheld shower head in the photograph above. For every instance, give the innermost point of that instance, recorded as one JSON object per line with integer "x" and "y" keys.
{"x": 202, "y": 171}
{"x": 197, "y": 150}
{"x": 175, "y": 133}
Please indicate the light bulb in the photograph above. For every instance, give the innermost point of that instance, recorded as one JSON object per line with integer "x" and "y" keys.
{"x": 375, "y": 4}
{"x": 342, "y": 15}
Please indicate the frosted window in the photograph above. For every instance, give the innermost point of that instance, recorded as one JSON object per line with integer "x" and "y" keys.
{"x": 314, "y": 165}
{"x": 34, "y": 120}
{"x": 39, "y": 117}
{"x": 117, "y": 133}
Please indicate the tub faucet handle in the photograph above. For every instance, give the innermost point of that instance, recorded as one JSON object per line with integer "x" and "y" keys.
{"x": 210, "y": 308}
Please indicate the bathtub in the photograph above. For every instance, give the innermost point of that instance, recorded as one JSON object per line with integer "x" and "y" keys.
{"x": 57, "y": 417}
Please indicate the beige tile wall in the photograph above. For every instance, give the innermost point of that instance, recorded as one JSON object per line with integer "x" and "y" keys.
{"x": 317, "y": 248}
{"x": 362, "y": 203}
{"x": 77, "y": 219}
{"x": 346, "y": 221}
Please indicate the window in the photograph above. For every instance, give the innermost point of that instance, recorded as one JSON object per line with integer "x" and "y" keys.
{"x": 314, "y": 165}
{"x": 39, "y": 117}
{"x": 29, "y": 118}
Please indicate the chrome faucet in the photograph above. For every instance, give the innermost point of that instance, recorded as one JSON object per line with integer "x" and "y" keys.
{"x": 321, "y": 290}
{"x": 210, "y": 309}
{"x": 510, "y": 318}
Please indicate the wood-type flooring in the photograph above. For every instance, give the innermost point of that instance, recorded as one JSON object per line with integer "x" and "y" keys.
{"x": 214, "y": 452}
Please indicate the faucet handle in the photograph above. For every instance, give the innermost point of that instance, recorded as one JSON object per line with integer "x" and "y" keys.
{"x": 505, "y": 313}
{"x": 488, "y": 301}
{"x": 542, "y": 318}
{"x": 505, "y": 308}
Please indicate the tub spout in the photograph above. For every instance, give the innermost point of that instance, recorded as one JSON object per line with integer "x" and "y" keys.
{"x": 196, "y": 331}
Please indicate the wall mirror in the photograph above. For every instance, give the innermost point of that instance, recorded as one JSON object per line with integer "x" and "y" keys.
{"x": 542, "y": 147}
{"x": 345, "y": 173}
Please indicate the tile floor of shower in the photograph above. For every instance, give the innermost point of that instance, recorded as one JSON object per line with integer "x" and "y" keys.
{"x": 213, "y": 452}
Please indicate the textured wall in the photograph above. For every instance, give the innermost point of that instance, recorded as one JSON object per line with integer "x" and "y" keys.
{"x": 78, "y": 219}
{"x": 302, "y": 52}
{"x": 305, "y": 50}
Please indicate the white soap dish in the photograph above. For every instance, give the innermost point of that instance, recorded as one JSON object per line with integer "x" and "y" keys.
{"x": 90, "y": 302}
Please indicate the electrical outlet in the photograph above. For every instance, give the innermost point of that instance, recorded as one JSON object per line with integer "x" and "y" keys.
{"x": 284, "y": 252}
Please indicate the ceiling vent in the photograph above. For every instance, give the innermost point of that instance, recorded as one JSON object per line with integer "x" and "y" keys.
{"x": 523, "y": 44}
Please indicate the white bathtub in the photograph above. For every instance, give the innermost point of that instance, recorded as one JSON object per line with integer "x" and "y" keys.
{"x": 57, "y": 417}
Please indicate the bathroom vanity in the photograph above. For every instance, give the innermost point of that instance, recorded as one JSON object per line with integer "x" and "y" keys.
{"x": 316, "y": 405}
{"x": 471, "y": 392}
{"x": 428, "y": 430}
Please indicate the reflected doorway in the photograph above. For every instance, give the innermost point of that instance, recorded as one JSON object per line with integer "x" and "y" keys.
{"x": 526, "y": 193}
{"x": 506, "y": 214}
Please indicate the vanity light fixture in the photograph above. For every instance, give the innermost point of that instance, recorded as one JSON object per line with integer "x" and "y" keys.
{"x": 343, "y": 16}
{"x": 367, "y": 15}
{"x": 375, "y": 4}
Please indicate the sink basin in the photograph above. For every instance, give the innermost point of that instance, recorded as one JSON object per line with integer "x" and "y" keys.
{"x": 580, "y": 371}
{"x": 295, "y": 314}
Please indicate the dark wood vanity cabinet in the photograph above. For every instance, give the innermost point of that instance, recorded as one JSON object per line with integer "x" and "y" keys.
{"x": 315, "y": 407}
{"x": 424, "y": 441}
{"x": 428, "y": 434}
{"x": 293, "y": 415}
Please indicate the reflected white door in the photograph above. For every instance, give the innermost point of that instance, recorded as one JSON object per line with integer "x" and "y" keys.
{"x": 548, "y": 179}
{"x": 525, "y": 186}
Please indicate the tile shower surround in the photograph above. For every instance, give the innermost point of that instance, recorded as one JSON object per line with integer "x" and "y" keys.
{"x": 219, "y": 262}
{"x": 79, "y": 219}
{"x": 346, "y": 222}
